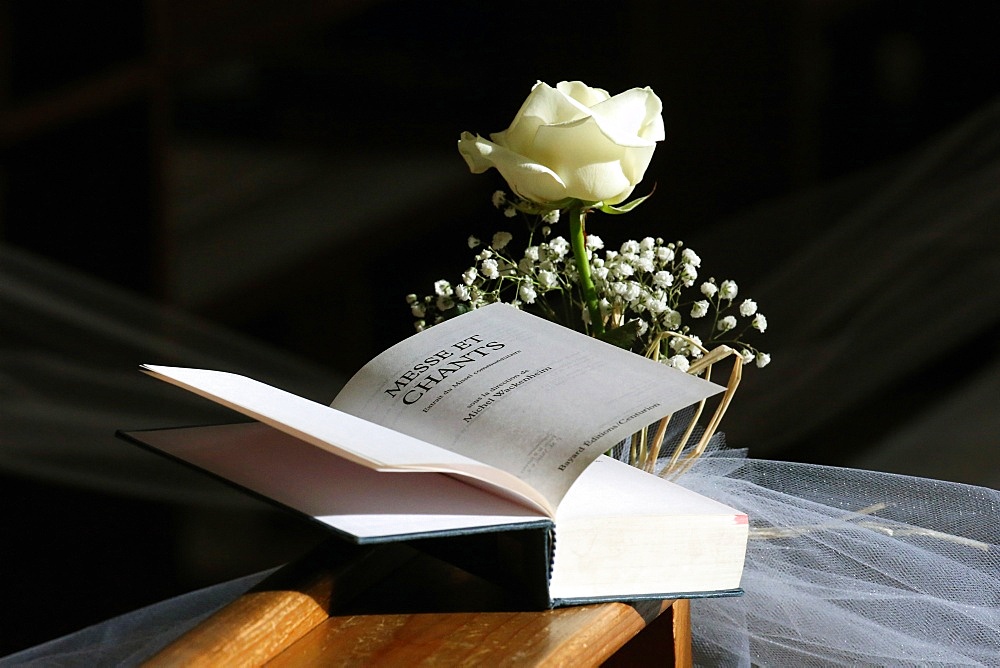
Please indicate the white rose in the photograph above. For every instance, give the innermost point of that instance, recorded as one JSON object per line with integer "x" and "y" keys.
{"x": 572, "y": 141}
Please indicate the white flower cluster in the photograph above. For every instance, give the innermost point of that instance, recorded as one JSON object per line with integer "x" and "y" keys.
{"x": 498, "y": 276}
{"x": 647, "y": 286}
{"x": 645, "y": 282}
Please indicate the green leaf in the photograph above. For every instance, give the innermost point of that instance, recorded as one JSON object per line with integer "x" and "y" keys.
{"x": 628, "y": 206}
{"x": 624, "y": 336}
{"x": 624, "y": 208}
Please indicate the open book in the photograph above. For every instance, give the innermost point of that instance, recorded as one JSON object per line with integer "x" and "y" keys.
{"x": 493, "y": 422}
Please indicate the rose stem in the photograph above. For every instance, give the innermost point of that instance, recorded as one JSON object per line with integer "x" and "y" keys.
{"x": 576, "y": 220}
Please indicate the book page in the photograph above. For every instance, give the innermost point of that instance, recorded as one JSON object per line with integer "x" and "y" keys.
{"x": 356, "y": 439}
{"x": 368, "y": 504}
{"x": 617, "y": 516}
{"x": 518, "y": 392}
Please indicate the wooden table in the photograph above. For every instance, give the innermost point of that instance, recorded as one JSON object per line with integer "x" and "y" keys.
{"x": 394, "y": 606}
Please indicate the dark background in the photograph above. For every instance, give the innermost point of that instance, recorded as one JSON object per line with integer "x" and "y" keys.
{"x": 288, "y": 170}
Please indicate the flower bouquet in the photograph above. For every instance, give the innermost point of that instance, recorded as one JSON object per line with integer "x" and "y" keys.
{"x": 570, "y": 152}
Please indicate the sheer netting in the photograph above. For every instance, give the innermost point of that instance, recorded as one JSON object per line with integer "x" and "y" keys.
{"x": 847, "y": 566}
{"x": 131, "y": 639}
{"x": 850, "y": 567}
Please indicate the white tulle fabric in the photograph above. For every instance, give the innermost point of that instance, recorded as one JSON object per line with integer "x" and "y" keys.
{"x": 850, "y": 567}
{"x": 133, "y": 638}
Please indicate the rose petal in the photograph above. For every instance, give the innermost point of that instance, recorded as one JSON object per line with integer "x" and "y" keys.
{"x": 582, "y": 93}
{"x": 544, "y": 106}
{"x": 634, "y": 163}
{"x": 599, "y": 181}
{"x": 474, "y": 154}
{"x": 632, "y": 118}
{"x": 586, "y": 160}
{"x": 527, "y": 178}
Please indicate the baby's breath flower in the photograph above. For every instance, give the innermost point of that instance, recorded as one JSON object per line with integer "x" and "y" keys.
{"x": 499, "y": 198}
{"x": 444, "y": 303}
{"x": 685, "y": 347}
{"x": 551, "y": 217}
{"x": 418, "y": 310}
{"x": 759, "y": 323}
{"x": 699, "y": 309}
{"x": 527, "y": 293}
{"x": 473, "y": 241}
{"x": 665, "y": 254}
{"x": 679, "y": 362}
{"x": 510, "y": 212}
{"x": 420, "y": 325}
{"x": 747, "y": 355}
{"x": 727, "y": 323}
{"x": 462, "y": 292}
{"x": 559, "y": 246}
{"x": 632, "y": 291}
{"x": 657, "y": 304}
{"x": 748, "y": 308}
{"x": 708, "y": 288}
{"x": 728, "y": 290}
{"x": 489, "y": 268}
{"x": 671, "y": 319}
{"x": 644, "y": 263}
{"x": 663, "y": 279}
{"x": 469, "y": 275}
{"x": 630, "y": 247}
{"x": 594, "y": 242}
{"x": 647, "y": 244}
{"x": 548, "y": 279}
{"x": 442, "y": 288}
{"x": 688, "y": 274}
{"x": 763, "y": 359}
{"x": 690, "y": 257}
{"x": 693, "y": 347}
{"x": 623, "y": 269}
{"x": 411, "y": 299}
{"x": 500, "y": 240}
